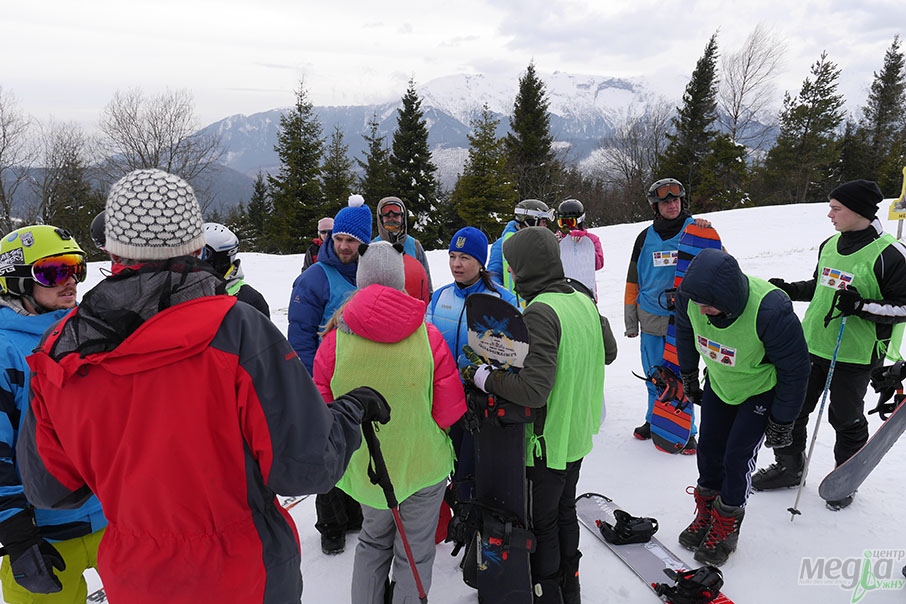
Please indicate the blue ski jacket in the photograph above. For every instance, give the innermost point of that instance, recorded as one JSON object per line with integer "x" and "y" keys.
{"x": 495, "y": 258}
{"x": 317, "y": 293}
{"x": 19, "y": 335}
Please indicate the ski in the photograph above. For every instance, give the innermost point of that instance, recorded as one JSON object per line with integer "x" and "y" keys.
{"x": 648, "y": 560}
{"x": 671, "y": 422}
{"x": 288, "y": 503}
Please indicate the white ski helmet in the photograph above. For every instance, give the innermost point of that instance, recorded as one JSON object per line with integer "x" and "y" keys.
{"x": 221, "y": 246}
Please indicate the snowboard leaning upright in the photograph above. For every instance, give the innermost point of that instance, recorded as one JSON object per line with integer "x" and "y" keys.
{"x": 671, "y": 421}
{"x": 499, "y": 554}
{"x": 578, "y": 259}
{"x": 848, "y": 476}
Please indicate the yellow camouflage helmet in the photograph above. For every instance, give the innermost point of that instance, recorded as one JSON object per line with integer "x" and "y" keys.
{"x": 20, "y": 249}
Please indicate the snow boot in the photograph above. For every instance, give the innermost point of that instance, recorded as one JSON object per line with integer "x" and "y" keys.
{"x": 643, "y": 432}
{"x": 836, "y": 505}
{"x": 547, "y": 591}
{"x": 723, "y": 535}
{"x": 695, "y": 533}
{"x": 784, "y": 473}
{"x": 691, "y": 447}
{"x": 333, "y": 544}
{"x": 569, "y": 580}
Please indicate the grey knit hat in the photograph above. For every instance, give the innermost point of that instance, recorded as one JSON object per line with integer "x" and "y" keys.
{"x": 381, "y": 262}
{"x": 152, "y": 215}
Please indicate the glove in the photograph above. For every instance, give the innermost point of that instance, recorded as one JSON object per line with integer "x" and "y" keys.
{"x": 477, "y": 371}
{"x": 691, "y": 388}
{"x": 374, "y": 406}
{"x": 849, "y": 300}
{"x": 781, "y": 284}
{"x": 31, "y": 558}
{"x": 576, "y": 234}
{"x": 777, "y": 435}
{"x": 891, "y": 376}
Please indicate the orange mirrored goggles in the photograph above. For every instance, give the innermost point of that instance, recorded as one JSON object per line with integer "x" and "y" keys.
{"x": 666, "y": 191}
{"x": 55, "y": 270}
{"x": 569, "y": 223}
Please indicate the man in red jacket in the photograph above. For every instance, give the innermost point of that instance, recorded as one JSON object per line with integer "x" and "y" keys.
{"x": 185, "y": 413}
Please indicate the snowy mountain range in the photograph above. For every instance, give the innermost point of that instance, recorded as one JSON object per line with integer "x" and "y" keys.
{"x": 583, "y": 110}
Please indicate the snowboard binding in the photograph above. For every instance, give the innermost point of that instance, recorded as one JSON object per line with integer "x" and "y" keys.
{"x": 628, "y": 529}
{"x": 697, "y": 586}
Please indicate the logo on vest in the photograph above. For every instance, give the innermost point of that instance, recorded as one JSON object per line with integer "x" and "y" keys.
{"x": 661, "y": 259}
{"x": 835, "y": 278}
{"x": 717, "y": 352}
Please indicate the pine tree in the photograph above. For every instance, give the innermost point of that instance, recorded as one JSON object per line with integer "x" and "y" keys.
{"x": 296, "y": 189}
{"x": 693, "y": 127}
{"x": 259, "y": 211}
{"x": 376, "y": 181}
{"x": 484, "y": 196}
{"x": 883, "y": 126}
{"x": 337, "y": 179}
{"x": 412, "y": 170}
{"x": 529, "y": 145}
{"x": 801, "y": 163}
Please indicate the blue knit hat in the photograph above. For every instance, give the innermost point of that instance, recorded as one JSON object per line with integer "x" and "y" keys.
{"x": 471, "y": 241}
{"x": 354, "y": 220}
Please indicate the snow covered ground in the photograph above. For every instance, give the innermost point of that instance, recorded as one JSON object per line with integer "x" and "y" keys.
{"x": 768, "y": 242}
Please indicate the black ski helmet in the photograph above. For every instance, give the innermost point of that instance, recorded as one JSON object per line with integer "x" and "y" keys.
{"x": 98, "y": 224}
{"x": 665, "y": 189}
{"x": 530, "y": 212}
{"x": 571, "y": 208}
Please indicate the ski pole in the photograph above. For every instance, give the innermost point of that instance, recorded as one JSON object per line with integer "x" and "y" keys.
{"x": 794, "y": 511}
{"x": 377, "y": 472}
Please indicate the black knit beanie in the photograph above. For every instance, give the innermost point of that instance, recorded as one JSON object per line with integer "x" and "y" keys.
{"x": 860, "y": 196}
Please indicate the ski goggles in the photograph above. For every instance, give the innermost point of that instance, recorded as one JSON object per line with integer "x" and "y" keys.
{"x": 567, "y": 223}
{"x": 56, "y": 270}
{"x": 667, "y": 191}
{"x": 388, "y": 212}
{"x": 537, "y": 215}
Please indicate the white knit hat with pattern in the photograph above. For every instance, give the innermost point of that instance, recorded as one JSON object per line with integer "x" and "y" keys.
{"x": 152, "y": 215}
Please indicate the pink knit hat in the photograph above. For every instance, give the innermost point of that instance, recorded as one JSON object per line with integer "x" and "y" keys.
{"x": 325, "y": 224}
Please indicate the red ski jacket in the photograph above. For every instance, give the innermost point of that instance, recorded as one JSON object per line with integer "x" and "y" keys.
{"x": 184, "y": 412}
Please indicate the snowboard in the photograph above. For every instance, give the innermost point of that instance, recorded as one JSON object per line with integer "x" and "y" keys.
{"x": 647, "y": 560}
{"x": 671, "y": 421}
{"x": 496, "y": 561}
{"x": 848, "y": 476}
{"x": 578, "y": 259}
{"x": 288, "y": 503}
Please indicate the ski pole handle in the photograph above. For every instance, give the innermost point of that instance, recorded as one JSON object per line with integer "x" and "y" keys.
{"x": 377, "y": 470}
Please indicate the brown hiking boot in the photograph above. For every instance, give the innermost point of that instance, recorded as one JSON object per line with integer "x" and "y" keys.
{"x": 723, "y": 535}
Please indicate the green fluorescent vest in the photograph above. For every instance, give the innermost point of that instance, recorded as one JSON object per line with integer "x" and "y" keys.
{"x": 860, "y": 337}
{"x": 418, "y": 453}
{"x": 574, "y": 404}
{"x": 734, "y": 355}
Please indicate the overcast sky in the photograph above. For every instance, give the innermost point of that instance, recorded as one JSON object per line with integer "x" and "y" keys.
{"x": 65, "y": 58}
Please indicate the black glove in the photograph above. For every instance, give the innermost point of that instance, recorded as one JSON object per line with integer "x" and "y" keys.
{"x": 373, "y": 405}
{"x": 31, "y": 558}
{"x": 776, "y": 435}
{"x": 849, "y": 300}
{"x": 691, "y": 388}
{"x": 783, "y": 285}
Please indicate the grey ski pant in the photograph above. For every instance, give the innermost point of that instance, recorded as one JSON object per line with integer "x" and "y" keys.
{"x": 380, "y": 547}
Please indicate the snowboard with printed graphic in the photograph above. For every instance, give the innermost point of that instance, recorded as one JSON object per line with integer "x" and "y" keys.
{"x": 496, "y": 561}
{"x": 671, "y": 421}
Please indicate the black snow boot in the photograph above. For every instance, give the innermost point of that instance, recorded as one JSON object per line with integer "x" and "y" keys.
{"x": 695, "y": 533}
{"x": 569, "y": 580}
{"x": 784, "y": 473}
{"x": 723, "y": 535}
{"x": 643, "y": 432}
{"x": 835, "y": 505}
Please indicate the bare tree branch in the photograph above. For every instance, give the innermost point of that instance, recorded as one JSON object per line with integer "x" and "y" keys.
{"x": 16, "y": 157}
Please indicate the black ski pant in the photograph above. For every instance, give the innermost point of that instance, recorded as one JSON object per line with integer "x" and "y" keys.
{"x": 337, "y": 513}
{"x": 553, "y": 517}
{"x": 728, "y": 442}
{"x": 845, "y": 409}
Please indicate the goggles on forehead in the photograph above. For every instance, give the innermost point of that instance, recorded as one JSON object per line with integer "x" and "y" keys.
{"x": 56, "y": 270}
{"x": 668, "y": 191}
{"x": 536, "y": 214}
